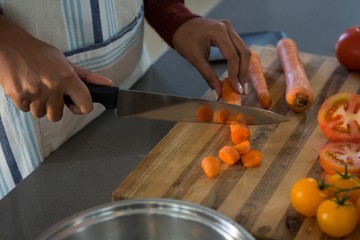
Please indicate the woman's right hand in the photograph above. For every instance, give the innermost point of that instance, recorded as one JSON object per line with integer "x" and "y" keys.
{"x": 36, "y": 75}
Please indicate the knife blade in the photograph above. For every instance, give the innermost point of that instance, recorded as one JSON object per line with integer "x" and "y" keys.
{"x": 157, "y": 106}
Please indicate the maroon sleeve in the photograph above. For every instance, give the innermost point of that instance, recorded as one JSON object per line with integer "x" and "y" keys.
{"x": 166, "y": 16}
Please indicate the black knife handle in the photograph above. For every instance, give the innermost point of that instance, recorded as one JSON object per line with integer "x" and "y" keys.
{"x": 105, "y": 95}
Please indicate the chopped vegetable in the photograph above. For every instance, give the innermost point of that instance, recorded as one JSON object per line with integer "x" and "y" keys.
{"x": 228, "y": 94}
{"x": 211, "y": 166}
{"x": 239, "y": 133}
{"x": 229, "y": 155}
{"x": 204, "y": 113}
{"x": 251, "y": 159}
{"x": 221, "y": 115}
{"x": 243, "y": 147}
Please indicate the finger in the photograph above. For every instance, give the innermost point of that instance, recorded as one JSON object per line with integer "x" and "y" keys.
{"x": 231, "y": 55}
{"x": 23, "y": 105}
{"x": 244, "y": 53}
{"x": 201, "y": 63}
{"x": 38, "y": 108}
{"x": 80, "y": 95}
{"x": 91, "y": 77}
{"x": 55, "y": 108}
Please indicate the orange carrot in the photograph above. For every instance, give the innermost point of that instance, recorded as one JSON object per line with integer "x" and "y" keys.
{"x": 239, "y": 133}
{"x": 204, "y": 113}
{"x": 251, "y": 159}
{"x": 236, "y": 118}
{"x": 228, "y": 94}
{"x": 220, "y": 115}
{"x": 243, "y": 147}
{"x": 258, "y": 81}
{"x": 299, "y": 95}
{"x": 229, "y": 155}
{"x": 211, "y": 166}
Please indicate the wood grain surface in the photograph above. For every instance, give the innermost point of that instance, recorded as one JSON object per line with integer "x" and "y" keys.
{"x": 256, "y": 198}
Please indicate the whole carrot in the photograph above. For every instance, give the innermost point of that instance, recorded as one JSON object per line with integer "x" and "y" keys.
{"x": 258, "y": 81}
{"x": 299, "y": 95}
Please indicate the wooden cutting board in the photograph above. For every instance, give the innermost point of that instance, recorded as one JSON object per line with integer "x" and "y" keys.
{"x": 257, "y": 198}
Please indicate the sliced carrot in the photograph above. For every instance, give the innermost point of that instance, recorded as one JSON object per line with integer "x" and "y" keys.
{"x": 229, "y": 155}
{"x": 204, "y": 113}
{"x": 236, "y": 118}
{"x": 251, "y": 159}
{"x": 258, "y": 81}
{"x": 239, "y": 133}
{"x": 243, "y": 147}
{"x": 211, "y": 166}
{"x": 228, "y": 94}
{"x": 299, "y": 95}
{"x": 221, "y": 115}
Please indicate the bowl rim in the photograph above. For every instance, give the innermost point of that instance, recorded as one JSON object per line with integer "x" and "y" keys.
{"x": 159, "y": 206}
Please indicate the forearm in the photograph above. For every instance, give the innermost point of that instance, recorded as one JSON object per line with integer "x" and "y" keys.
{"x": 166, "y": 16}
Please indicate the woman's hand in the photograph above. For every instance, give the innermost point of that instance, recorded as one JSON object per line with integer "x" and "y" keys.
{"x": 193, "y": 40}
{"x": 36, "y": 75}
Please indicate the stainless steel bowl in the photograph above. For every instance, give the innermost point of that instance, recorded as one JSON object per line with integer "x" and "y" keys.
{"x": 147, "y": 219}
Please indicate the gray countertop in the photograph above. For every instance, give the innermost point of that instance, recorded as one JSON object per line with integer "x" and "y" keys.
{"x": 87, "y": 168}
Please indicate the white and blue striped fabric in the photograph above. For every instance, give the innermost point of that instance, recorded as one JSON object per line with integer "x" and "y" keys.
{"x": 104, "y": 36}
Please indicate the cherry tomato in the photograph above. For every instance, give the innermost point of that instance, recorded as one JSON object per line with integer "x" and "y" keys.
{"x": 342, "y": 182}
{"x": 334, "y": 156}
{"x": 347, "y": 48}
{"x": 337, "y": 219}
{"x": 357, "y": 205}
{"x": 306, "y": 196}
{"x": 338, "y": 117}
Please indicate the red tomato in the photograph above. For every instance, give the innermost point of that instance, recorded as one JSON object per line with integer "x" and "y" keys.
{"x": 347, "y": 48}
{"x": 334, "y": 155}
{"x": 339, "y": 117}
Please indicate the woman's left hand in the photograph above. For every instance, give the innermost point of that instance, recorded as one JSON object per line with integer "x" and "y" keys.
{"x": 193, "y": 40}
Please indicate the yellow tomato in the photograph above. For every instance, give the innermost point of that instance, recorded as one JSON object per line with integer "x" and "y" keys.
{"x": 337, "y": 219}
{"x": 347, "y": 181}
{"x": 306, "y": 196}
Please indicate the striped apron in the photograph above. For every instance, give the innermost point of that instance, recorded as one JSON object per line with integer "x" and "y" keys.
{"x": 104, "y": 36}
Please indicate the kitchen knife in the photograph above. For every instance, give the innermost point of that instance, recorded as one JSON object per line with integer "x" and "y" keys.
{"x": 140, "y": 104}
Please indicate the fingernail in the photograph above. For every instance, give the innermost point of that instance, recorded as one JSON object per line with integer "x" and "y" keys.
{"x": 215, "y": 94}
{"x": 240, "y": 88}
{"x": 246, "y": 86}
